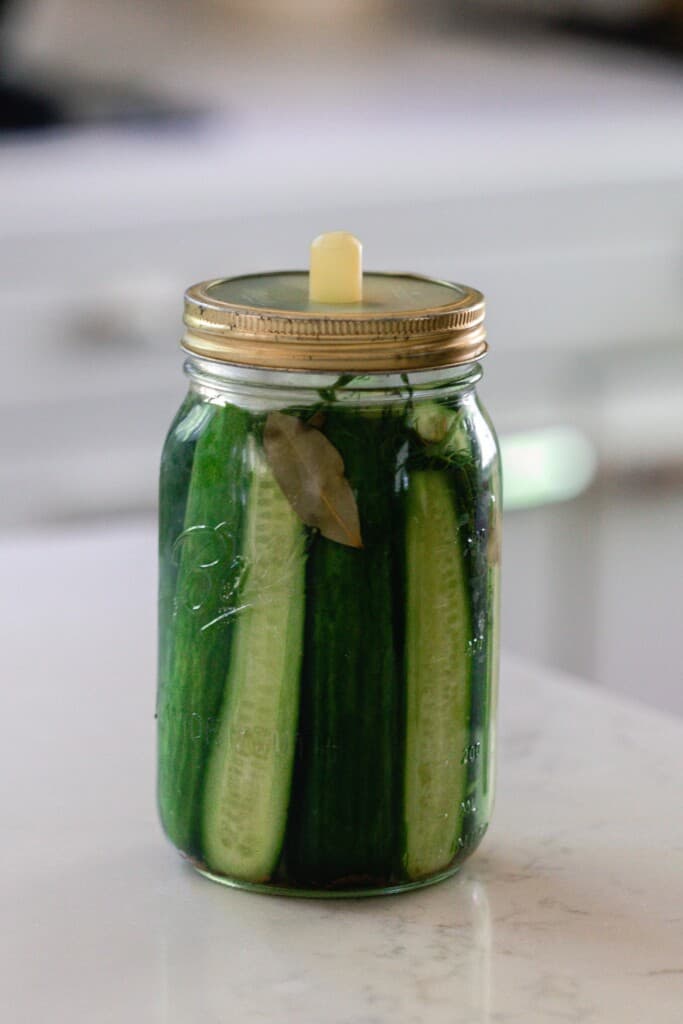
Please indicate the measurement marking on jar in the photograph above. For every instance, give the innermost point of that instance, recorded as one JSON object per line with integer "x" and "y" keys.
{"x": 471, "y": 839}
{"x": 471, "y": 753}
{"x": 477, "y": 643}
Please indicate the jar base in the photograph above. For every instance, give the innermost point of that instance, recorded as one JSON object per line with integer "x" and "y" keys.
{"x": 273, "y": 889}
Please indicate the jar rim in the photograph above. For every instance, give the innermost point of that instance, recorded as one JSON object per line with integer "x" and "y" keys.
{"x": 261, "y": 387}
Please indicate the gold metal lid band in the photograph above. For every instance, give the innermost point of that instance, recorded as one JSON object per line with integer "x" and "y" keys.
{"x": 379, "y": 334}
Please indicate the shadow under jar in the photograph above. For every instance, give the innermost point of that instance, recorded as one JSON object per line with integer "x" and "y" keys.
{"x": 329, "y": 588}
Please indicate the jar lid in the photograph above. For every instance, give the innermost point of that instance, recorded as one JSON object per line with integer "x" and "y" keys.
{"x": 377, "y": 322}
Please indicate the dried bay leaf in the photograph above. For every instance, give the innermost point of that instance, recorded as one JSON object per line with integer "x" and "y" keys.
{"x": 317, "y": 419}
{"x": 310, "y": 472}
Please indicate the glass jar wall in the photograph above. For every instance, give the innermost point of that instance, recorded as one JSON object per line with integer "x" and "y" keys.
{"x": 329, "y": 558}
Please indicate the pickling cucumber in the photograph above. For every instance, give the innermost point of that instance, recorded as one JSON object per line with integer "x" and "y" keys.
{"x": 492, "y": 668}
{"x": 493, "y": 629}
{"x": 174, "y": 482}
{"x": 248, "y": 777}
{"x": 461, "y": 440}
{"x": 476, "y": 477}
{"x": 438, "y": 666}
{"x": 344, "y": 827}
{"x": 208, "y": 579}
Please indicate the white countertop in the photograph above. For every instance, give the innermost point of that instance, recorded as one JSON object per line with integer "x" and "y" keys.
{"x": 572, "y": 910}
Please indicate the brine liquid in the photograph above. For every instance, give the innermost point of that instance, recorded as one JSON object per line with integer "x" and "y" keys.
{"x": 340, "y": 762}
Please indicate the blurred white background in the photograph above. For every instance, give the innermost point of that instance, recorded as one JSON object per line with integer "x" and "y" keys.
{"x": 534, "y": 150}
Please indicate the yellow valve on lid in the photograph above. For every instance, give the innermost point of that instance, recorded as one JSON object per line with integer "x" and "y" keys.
{"x": 336, "y": 269}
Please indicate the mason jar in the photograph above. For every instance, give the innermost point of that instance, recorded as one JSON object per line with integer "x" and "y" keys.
{"x": 329, "y": 543}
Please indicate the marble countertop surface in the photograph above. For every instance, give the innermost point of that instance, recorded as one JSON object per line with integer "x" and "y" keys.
{"x": 571, "y": 911}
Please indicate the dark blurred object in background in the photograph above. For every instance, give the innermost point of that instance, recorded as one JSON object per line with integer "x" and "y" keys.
{"x": 24, "y": 109}
{"x": 27, "y": 108}
{"x": 661, "y": 29}
{"x": 650, "y": 24}
{"x": 47, "y": 93}
{"x": 21, "y": 106}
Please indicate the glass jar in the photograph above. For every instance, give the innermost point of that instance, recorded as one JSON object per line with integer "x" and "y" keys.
{"x": 328, "y": 617}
